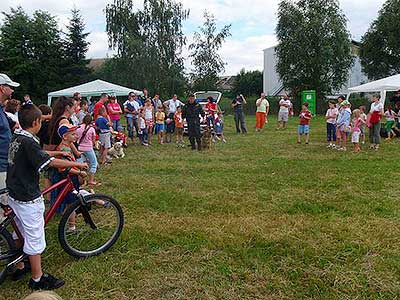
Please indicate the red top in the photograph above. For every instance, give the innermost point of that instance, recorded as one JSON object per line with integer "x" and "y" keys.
{"x": 96, "y": 108}
{"x": 114, "y": 106}
{"x": 211, "y": 107}
{"x": 303, "y": 120}
{"x": 178, "y": 120}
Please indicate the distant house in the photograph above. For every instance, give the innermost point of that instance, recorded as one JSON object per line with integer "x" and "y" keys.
{"x": 225, "y": 83}
{"x": 273, "y": 85}
{"x": 95, "y": 63}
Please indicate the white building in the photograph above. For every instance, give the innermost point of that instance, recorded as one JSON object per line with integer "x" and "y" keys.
{"x": 273, "y": 85}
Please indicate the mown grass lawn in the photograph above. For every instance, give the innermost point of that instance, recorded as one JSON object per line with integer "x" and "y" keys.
{"x": 260, "y": 217}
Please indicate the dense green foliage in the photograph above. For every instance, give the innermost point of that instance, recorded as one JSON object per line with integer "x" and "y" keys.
{"x": 149, "y": 45}
{"x": 314, "y": 50}
{"x": 207, "y": 63}
{"x": 75, "y": 48}
{"x": 248, "y": 83}
{"x": 380, "y": 47}
{"x": 257, "y": 218}
{"x": 34, "y": 52}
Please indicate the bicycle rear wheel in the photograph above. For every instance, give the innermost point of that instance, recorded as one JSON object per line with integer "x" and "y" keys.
{"x": 98, "y": 224}
{"x": 7, "y": 248}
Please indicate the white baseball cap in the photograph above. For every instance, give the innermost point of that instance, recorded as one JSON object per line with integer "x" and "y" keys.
{"x": 4, "y": 79}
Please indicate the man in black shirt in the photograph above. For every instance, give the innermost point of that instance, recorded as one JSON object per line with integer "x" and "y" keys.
{"x": 237, "y": 105}
{"x": 25, "y": 161}
{"x": 192, "y": 112}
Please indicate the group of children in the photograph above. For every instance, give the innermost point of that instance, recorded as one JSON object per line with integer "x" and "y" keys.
{"x": 343, "y": 124}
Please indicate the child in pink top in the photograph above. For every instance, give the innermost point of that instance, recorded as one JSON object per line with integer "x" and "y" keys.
{"x": 86, "y": 139}
{"x": 356, "y": 130}
{"x": 114, "y": 111}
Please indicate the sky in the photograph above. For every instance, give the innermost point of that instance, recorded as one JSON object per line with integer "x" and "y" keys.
{"x": 253, "y": 24}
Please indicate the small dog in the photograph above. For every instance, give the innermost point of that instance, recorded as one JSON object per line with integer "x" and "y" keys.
{"x": 206, "y": 138}
{"x": 116, "y": 151}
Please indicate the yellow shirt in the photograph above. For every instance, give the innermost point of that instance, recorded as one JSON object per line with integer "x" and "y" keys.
{"x": 160, "y": 117}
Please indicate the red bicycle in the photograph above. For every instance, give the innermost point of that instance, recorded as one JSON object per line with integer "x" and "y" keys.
{"x": 98, "y": 221}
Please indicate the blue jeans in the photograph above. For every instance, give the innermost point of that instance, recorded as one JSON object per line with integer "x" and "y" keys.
{"x": 132, "y": 123}
{"x": 331, "y": 132}
{"x": 171, "y": 126}
{"x": 91, "y": 158}
{"x": 144, "y": 136}
{"x": 116, "y": 124}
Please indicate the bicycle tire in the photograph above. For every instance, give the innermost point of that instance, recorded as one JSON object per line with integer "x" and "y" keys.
{"x": 72, "y": 243}
{"x": 7, "y": 246}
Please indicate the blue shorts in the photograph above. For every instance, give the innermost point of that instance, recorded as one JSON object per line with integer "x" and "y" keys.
{"x": 160, "y": 127}
{"x": 304, "y": 129}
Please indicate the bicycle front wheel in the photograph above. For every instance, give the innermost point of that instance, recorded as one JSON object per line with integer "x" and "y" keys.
{"x": 90, "y": 229}
{"x": 7, "y": 248}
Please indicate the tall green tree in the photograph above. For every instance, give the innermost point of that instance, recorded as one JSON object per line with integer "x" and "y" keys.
{"x": 31, "y": 52}
{"x": 149, "y": 44}
{"x": 16, "y": 53}
{"x": 75, "y": 49}
{"x": 248, "y": 83}
{"x": 314, "y": 50}
{"x": 206, "y": 61}
{"x": 380, "y": 46}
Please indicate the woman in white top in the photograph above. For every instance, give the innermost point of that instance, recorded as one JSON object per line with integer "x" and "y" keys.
{"x": 374, "y": 116}
{"x": 11, "y": 110}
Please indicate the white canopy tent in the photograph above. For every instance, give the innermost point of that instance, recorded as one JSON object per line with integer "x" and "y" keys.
{"x": 93, "y": 88}
{"x": 388, "y": 84}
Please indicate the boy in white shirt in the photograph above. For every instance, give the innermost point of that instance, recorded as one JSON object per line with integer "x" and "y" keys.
{"x": 283, "y": 115}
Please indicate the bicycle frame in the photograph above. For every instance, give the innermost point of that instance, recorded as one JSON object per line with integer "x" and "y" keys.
{"x": 69, "y": 187}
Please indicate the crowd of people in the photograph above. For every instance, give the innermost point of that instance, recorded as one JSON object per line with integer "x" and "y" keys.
{"x": 51, "y": 139}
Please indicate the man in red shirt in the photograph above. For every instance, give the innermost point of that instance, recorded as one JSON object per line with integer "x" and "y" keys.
{"x": 304, "y": 127}
{"x": 99, "y": 104}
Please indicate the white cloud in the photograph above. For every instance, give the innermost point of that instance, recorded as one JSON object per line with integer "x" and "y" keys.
{"x": 246, "y": 53}
{"x": 99, "y": 45}
{"x": 257, "y": 19}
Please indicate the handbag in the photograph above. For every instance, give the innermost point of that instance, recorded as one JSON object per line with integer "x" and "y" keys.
{"x": 375, "y": 117}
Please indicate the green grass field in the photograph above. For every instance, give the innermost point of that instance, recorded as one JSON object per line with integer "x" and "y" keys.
{"x": 260, "y": 217}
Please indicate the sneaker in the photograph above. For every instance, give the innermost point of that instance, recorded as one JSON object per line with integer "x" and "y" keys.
{"x": 329, "y": 146}
{"x": 19, "y": 273}
{"x": 46, "y": 282}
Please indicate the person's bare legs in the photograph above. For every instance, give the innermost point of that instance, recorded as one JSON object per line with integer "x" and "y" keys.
{"x": 36, "y": 266}
{"x": 47, "y": 184}
{"x": 103, "y": 155}
{"x": 149, "y": 130}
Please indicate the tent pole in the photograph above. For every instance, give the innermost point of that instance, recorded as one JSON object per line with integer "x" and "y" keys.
{"x": 383, "y": 97}
{"x": 49, "y": 100}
